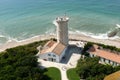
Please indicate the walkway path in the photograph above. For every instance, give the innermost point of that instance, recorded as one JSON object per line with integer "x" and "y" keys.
{"x": 62, "y": 67}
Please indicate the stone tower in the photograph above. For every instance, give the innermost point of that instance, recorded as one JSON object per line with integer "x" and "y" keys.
{"x": 62, "y": 29}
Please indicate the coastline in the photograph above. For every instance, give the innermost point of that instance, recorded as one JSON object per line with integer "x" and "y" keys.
{"x": 81, "y": 37}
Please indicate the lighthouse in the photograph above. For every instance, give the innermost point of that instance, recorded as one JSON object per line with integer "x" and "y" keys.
{"x": 61, "y": 24}
{"x": 52, "y": 50}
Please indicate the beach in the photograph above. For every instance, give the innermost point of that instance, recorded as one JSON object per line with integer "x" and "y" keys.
{"x": 11, "y": 44}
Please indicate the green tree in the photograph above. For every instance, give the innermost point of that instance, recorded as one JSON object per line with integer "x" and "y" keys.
{"x": 90, "y": 69}
{"x": 20, "y": 63}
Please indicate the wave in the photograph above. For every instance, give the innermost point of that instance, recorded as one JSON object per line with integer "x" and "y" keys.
{"x": 50, "y": 32}
{"x": 2, "y": 36}
{"x": 93, "y": 35}
{"x": 5, "y": 39}
{"x": 10, "y": 39}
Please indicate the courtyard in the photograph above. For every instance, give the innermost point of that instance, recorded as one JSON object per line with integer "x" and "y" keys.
{"x": 69, "y": 61}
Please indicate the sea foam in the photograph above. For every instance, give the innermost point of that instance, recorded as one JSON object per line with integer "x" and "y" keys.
{"x": 96, "y": 36}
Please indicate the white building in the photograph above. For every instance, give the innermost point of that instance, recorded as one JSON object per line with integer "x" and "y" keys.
{"x": 55, "y": 51}
{"x": 52, "y": 51}
{"x": 106, "y": 57}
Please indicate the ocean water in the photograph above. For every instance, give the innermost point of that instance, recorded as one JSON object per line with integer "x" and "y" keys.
{"x": 22, "y": 19}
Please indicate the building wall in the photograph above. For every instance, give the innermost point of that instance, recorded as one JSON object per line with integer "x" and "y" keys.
{"x": 62, "y": 54}
{"x": 53, "y": 56}
{"x": 105, "y": 61}
{"x": 49, "y": 57}
{"x": 62, "y": 30}
{"x": 42, "y": 56}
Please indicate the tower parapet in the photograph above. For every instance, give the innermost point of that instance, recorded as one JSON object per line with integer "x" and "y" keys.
{"x": 62, "y": 29}
{"x": 62, "y": 19}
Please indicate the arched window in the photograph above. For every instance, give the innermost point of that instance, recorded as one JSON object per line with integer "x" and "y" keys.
{"x": 54, "y": 55}
{"x": 49, "y": 54}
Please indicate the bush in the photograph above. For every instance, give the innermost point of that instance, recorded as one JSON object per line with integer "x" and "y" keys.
{"x": 92, "y": 70}
{"x": 20, "y": 63}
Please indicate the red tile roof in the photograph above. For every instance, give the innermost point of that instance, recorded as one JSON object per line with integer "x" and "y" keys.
{"x": 113, "y": 76}
{"x": 49, "y": 44}
{"x": 106, "y": 54}
{"x": 52, "y": 46}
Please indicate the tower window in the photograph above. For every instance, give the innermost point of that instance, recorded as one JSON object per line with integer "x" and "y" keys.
{"x": 54, "y": 55}
{"x": 49, "y": 54}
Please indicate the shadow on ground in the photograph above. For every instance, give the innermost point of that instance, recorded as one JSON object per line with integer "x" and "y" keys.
{"x": 70, "y": 50}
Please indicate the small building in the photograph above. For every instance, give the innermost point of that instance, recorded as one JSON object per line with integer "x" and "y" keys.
{"x": 105, "y": 56}
{"x": 52, "y": 51}
{"x": 113, "y": 76}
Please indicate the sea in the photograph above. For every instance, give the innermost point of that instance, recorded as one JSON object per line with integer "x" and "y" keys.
{"x": 23, "y": 19}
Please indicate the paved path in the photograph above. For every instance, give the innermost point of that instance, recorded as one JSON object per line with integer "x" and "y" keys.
{"x": 62, "y": 67}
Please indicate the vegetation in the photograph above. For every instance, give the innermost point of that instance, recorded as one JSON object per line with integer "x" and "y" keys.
{"x": 20, "y": 63}
{"x": 53, "y": 73}
{"x": 72, "y": 75}
{"x": 92, "y": 70}
{"x": 87, "y": 46}
{"x": 112, "y": 48}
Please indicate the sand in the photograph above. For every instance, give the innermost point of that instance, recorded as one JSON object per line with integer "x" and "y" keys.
{"x": 12, "y": 44}
{"x": 111, "y": 42}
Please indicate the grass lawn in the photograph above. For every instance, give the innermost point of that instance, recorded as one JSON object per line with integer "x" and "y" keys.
{"x": 72, "y": 75}
{"x": 53, "y": 73}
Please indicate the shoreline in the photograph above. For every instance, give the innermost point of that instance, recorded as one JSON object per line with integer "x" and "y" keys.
{"x": 81, "y": 37}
